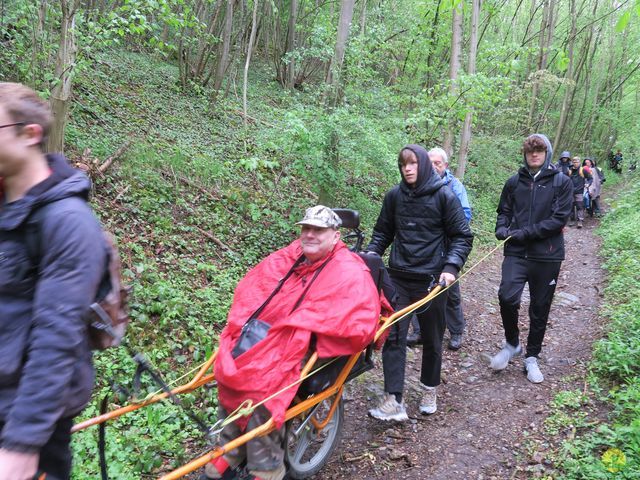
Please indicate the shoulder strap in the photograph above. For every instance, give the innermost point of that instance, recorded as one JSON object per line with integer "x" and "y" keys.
{"x": 33, "y": 236}
{"x": 512, "y": 183}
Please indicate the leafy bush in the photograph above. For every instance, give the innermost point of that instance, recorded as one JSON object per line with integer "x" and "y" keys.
{"x": 613, "y": 450}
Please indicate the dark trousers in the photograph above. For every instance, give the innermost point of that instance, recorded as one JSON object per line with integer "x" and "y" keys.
{"x": 577, "y": 212}
{"x": 432, "y": 325}
{"x": 55, "y": 456}
{"x": 453, "y": 313}
{"x": 542, "y": 278}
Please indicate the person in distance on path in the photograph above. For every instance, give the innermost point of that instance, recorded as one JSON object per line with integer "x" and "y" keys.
{"x": 534, "y": 208}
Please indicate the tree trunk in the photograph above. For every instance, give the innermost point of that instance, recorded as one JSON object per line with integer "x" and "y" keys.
{"x": 564, "y": 112}
{"x": 465, "y": 138}
{"x": 290, "y": 67}
{"x": 61, "y": 92}
{"x": 546, "y": 37}
{"x": 454, "y": 67}
{"x": 335, "y": 66}
{"x": 363, "y": 18}
{"x": 223, "y": 58}
{"x": 252, "y": 39}
{"x": 36, "y": 66}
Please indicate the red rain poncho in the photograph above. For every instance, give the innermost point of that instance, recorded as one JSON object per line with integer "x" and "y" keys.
{"x": 342, "y": 309}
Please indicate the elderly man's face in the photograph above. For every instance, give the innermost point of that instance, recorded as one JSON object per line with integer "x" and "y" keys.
{"x": 438, "y": 163}
{"x": 317, "y": 242}
{"x": 575, "y": 162}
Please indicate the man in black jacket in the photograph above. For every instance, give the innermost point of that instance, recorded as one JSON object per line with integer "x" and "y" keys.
{"x": 46, "y": 375}
{"x": 424, "y": 222}
{"x": 534, "y": 207}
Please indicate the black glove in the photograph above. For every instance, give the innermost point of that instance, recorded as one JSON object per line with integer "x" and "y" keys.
{"x": 502, "y": 233}
{"x": 518, "y": 236}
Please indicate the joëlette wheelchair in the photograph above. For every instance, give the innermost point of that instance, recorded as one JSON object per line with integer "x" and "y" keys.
{"x": 315, "y": 420}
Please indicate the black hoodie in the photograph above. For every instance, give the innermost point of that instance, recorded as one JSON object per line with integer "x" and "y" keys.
{"x": 426, "y": 225}
{"x": 538, "y": 207}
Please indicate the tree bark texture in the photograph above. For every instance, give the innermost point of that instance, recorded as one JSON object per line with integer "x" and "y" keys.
{"x": 465, "y": 138}
{"x": 65, "y": 64}
{"x": 454, "y": 67}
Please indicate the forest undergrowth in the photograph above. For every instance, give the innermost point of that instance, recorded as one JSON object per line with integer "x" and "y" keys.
{"x": 608, "y": 446}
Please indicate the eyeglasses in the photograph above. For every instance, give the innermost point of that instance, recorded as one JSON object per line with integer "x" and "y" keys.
{"x": 12, "y": 124}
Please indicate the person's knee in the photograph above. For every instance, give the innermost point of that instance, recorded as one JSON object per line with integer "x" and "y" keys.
{"x": 511, "y": 301}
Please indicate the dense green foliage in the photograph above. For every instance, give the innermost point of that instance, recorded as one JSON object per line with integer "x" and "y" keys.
{"x": 612, "y": 450}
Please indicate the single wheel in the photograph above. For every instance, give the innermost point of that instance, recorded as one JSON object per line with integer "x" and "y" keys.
{"x": 307, "y": 450}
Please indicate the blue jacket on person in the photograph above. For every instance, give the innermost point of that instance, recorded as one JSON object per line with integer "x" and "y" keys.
{"x": 46, "y": 371}
{"x": 456, "y": 186}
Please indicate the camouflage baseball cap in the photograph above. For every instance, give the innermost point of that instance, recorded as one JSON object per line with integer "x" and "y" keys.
{"x": 320, "y": 216}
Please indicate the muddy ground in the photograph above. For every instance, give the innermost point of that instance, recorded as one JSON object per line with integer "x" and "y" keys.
{"x": 488, "y": 425}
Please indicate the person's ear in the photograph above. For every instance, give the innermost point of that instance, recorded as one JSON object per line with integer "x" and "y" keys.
{"x": 32, "y": 132}
{"x": 336, "y": 237}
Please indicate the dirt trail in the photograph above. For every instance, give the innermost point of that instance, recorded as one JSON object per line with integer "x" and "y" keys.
{"x": 485, "y": 420}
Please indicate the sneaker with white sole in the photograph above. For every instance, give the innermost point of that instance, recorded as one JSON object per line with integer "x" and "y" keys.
{"x": 428, "y": 403}
{"x": 501, "y": 359}
{"x": 390, "y": 409}
{"x": 534, "y": 375}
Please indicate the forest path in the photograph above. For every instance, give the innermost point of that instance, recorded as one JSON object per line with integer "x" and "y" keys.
{"x": 488, "y": 425}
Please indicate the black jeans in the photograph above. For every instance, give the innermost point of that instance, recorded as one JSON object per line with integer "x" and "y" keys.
{"x": 542, "y": 278}
{"x": 55, "y": 455}
{"x": 432, "y": 326}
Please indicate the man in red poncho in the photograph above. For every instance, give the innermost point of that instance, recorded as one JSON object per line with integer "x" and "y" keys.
{"x": 328, "y": 295}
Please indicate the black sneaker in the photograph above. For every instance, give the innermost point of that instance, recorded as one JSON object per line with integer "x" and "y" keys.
{"x": 455, "y": 342}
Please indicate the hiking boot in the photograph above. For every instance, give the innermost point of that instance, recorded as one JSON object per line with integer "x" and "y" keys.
{"x": 534, "y": 375}
{"x": 455, "y": 342}
{"x": 389, "y": 409}
{"x": 428, "y": 404}
{"x": 501, "y": 359}
{"x": 414, "y": 339}
{"x": 579, "y": 224}
{"x": 571, "y": 223}
{"x": 277, "y": 474}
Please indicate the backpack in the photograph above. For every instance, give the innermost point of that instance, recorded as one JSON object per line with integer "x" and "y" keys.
{"x": 108, "y": 315}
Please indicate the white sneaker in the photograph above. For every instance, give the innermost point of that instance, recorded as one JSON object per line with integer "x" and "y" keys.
{"x": 390, "y": 409}
{"x": 428, "y": 403}
{"x": 534, "y": 375}
{"x": 501, "y": 359}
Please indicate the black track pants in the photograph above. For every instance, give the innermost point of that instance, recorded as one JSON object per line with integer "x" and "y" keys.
{"x": 542, "y": 278}
{"x": 432, "y": 326}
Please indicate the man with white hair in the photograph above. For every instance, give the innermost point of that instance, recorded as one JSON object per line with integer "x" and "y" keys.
{"x": 453, "y": 312}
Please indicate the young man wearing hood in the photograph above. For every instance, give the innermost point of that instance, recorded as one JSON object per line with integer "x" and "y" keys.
{"x": 564, "y": 163}
{"x": 46, "y": 375}
{"x": 534, "y": 208}
{"x": 424, "y": 223}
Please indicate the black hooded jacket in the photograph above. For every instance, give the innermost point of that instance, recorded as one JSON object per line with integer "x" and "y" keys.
{"x": 426, "y": 225}
{"x": 539, "y": 208}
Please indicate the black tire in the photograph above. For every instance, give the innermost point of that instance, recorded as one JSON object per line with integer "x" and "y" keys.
{"x": 306, "y": 454}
